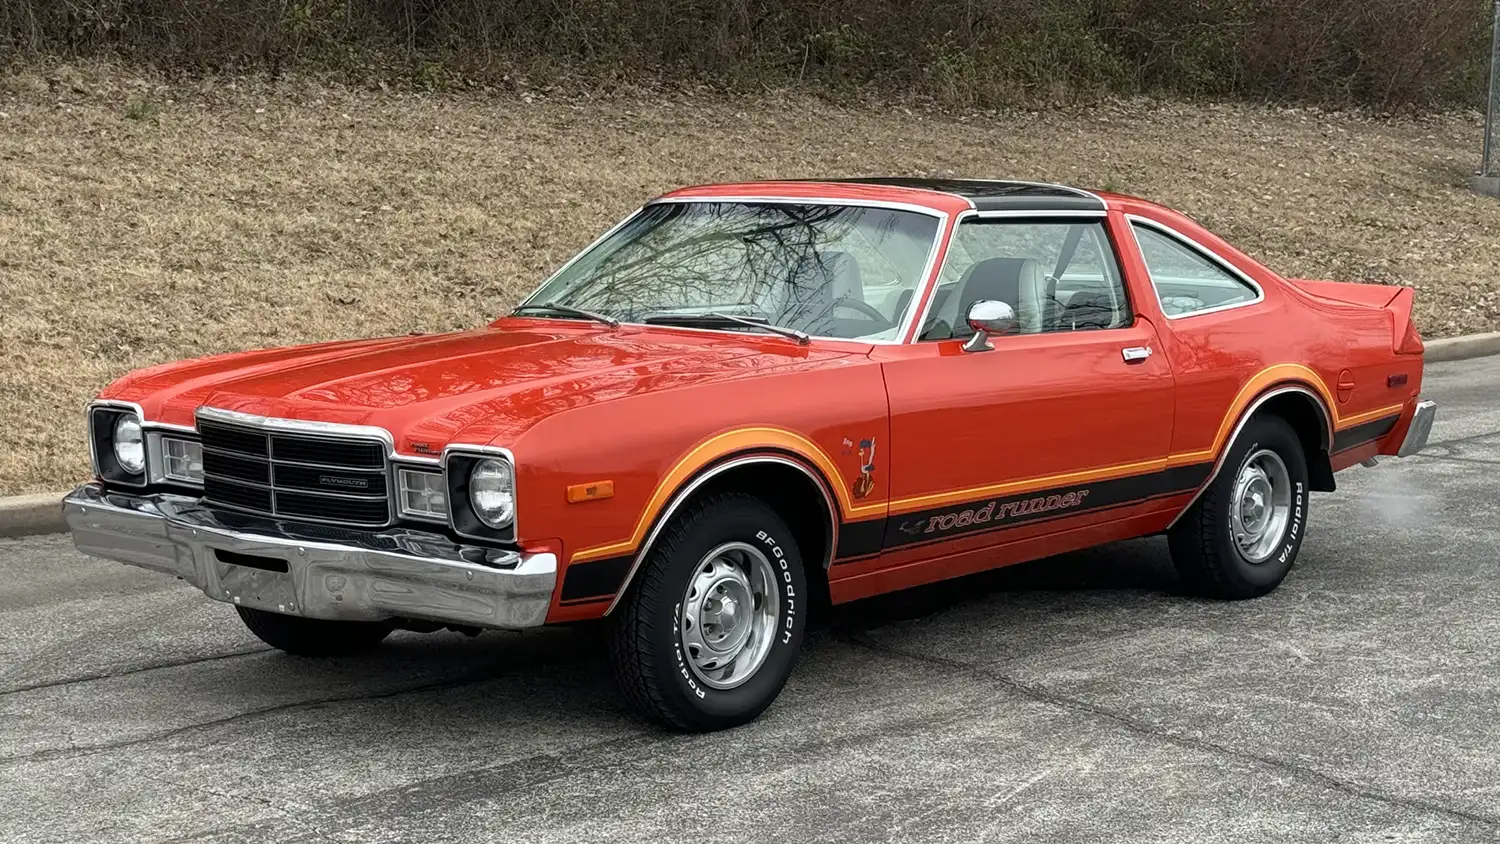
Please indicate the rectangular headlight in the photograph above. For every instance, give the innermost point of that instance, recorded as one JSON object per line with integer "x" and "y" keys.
{"x": 118, "y": 445}
{"x": 422, "y": 495}
{"x": 481, "y": 492}
{"x": 182, "y": 461}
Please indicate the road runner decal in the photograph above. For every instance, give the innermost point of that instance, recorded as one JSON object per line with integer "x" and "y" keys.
{"x": 1001, "y": 512}
{"x": 986, "y": 514}
{"x": 865, "y": 483}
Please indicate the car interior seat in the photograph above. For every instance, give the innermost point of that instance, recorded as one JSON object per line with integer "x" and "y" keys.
{"x": 1089, "y": 309}
{"x": 1018, "y": 282}
{"x": 821, "y": 282}
{"x": 844, "y": 278}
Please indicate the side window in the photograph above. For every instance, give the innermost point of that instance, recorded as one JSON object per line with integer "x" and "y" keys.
{"x": 1186, "y": 281}
{"x": 1058, "y": 275}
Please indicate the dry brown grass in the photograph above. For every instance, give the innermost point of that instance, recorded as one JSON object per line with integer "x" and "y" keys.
{"x": 141, "y": 223}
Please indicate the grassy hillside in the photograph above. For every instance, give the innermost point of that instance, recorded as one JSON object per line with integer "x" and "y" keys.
{"x": 144, "y": 223}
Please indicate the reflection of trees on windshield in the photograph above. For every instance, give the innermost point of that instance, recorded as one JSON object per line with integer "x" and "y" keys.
{"x": 795, "y": 265}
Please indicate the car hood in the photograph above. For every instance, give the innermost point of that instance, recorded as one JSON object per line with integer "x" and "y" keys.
{"x": 476, "y": 387}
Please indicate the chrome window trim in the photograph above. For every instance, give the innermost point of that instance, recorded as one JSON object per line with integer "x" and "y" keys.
{"x": 686, "y": 492}
{"x": 1204, "y": 252}
{"x": 903, "y": 327}
{"x": 484, "y": 451}
{"x": 1099, "y": 215}
{"x": 1093, "y": 214}
{"x": 930, "y": 290}
{"x": 1240, "y": 426}
{"x": 775, "y": 199}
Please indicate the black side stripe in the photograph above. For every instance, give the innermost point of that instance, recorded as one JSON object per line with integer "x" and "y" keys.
{"x": 1364, "y": 434}
{"x": 1002, "y": 512}
{"x": 599, "y": 580}
{"x": 595, "y": 580}
{"x": 860, "y": 539}
{"x": 938, "y": 538}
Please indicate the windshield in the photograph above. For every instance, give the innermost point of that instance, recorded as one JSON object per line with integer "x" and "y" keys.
{"x": 841, "y": 271}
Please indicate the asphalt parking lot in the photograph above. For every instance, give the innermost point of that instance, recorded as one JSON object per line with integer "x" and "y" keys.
{"x": 1078, "y": 699}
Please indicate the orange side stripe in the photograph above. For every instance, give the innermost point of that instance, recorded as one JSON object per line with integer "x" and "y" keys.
{"x": 1351, "y": 421}
{"x": 746, "y": 438}
{"x": 937, "y": 499}
{"x": 719, "y": 445}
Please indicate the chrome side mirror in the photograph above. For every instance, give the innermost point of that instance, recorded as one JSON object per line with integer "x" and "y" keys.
{"x": 987, "y": 317}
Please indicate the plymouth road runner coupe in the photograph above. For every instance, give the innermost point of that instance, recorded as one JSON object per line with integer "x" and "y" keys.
{"x": 748, "y": 400}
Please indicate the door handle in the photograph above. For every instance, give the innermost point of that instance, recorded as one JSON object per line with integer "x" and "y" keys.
{"x": 1135, "y": 354}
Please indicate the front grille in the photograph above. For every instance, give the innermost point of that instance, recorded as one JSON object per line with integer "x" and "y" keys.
{"x": 338, "y": 480}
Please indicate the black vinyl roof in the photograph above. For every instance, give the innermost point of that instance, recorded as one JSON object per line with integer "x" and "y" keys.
{"x": 998, "y": 195}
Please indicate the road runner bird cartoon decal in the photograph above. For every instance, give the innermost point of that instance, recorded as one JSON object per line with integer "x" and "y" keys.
{"x": 865, "y": 484}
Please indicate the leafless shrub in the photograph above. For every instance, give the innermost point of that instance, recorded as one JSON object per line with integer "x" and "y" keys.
{"x": 1382, "y": 53}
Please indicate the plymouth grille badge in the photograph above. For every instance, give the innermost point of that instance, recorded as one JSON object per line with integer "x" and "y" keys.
{"x": 347, "y": 483}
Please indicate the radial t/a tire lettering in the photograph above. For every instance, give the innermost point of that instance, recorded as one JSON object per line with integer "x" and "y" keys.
{"x": 1241, "y": 537}
{"x": 708, "y": 633}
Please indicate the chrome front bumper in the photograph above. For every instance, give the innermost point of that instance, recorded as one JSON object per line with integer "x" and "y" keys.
{"x": 1419, "y": 430}
{"x": 313, "y": 570}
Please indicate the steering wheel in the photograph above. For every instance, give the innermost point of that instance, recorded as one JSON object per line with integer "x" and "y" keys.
{"x": 865, "y": 309}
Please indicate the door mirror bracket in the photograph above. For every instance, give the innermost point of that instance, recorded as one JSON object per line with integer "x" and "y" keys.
{"x": 987, "y": 317}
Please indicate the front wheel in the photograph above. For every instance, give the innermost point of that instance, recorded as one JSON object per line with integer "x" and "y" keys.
{"x": 711, "y": 627}
{"x": 1240, "y": 539}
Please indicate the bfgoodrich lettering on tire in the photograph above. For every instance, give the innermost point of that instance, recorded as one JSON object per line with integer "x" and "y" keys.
{"x": 1242, "y": 536}
{"x": 711, "y": 627}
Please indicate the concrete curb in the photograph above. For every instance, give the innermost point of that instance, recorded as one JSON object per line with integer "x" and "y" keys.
{"x": 29, "y": 515}
{"x": 1463, "y": 348}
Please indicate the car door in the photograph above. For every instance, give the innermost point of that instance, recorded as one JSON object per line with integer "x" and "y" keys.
{"x": 1066, "y": 423}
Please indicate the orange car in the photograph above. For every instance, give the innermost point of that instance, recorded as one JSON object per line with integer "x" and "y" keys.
{"x": 748, "y": 400}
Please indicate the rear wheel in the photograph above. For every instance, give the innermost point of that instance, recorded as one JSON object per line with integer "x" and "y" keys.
{"x": 711, "y": 627}
{"x": 313, "y": 636}
{"x": 1241, "y": 537}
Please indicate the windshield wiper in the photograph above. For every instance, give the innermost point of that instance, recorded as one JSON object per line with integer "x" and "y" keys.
{"x": 569, "y": 310}
{"x": 715, "y": 319}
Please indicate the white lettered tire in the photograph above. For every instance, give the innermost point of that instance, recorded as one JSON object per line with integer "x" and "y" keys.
{"x": 1240, "y": 539}
{"x": 713, "y": 622}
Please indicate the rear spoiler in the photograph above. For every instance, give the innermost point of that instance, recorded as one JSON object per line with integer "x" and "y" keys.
{"x": 1396, "y": 300}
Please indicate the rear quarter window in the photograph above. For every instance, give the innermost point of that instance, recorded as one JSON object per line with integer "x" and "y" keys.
{"x": 1187, "y": 280}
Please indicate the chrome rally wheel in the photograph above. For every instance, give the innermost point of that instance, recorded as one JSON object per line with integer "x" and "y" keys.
{"x": 1241, "y": 537}
{"x": 707, "y": 633}
{"x": 729, "y": 614}
{"x": 1260, "y": 507}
